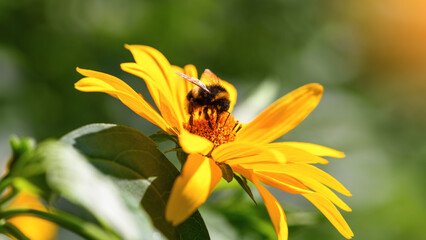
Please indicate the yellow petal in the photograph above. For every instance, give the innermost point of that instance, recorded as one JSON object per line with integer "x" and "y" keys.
{"x": 158, "y": 74}
{"x": 234, "y": 150}
{"x": 300, "y": 172}
{"x": 161, "y": 80}
{"x": 276, "y": 212}
{"x": 237, "y": 153}
{"x": 100, "y": 82}
{"x": 192, "y": 143}
{"x": 316, "y": 149}
{"x": 264, "y": 157}
{"x": 153, "y": 62}
{"x": 192, "y": 187}
{"x": 325, "y": 192}
{"x": 160, "y": 92}
{"x": 191, "y": 71}
{"x": 182, "y": 88}
{"x": 331, "y": 213}
{"x": 282, "y": 116}
{"x": 283, "y": 182}
{"x": 109, "y": 79}
{"x": 181, "y": 92}
{"x": 296, "y": 155}
{"x": 154, "y": 84}
{"x": 32, "y": 227}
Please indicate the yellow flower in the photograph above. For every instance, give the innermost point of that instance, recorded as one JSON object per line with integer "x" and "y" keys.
{"x": 33, "y": 227}
{"x": 219, "y": 140}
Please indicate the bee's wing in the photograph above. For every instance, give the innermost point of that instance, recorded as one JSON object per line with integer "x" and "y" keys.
{"x": 194, "y": 81}
{"x": 209, "y": 78}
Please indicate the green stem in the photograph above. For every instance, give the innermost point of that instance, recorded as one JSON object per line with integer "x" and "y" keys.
{"x": 4, "y": 183}
{"x": 84, "y": 229}
{"x": 8, "y": 196}
{"x": 13, "y": 231}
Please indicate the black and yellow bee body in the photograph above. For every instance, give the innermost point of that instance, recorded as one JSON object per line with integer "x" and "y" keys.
{"x": 206, "y": 100}
{"x": 217, "y": 100}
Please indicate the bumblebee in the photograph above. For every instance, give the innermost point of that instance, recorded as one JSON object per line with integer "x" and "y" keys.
{"x": 206, "y": 99}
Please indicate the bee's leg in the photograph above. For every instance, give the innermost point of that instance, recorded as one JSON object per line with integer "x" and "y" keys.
{"x": 221, "y": 108}
{"x": 191, "y": 113}
{"x": 219, "y": 112}
{"x": 224, "y": 123}
{"x": 207, "y": 117}
{"x": 206, "y": 114}
{"x": 217, "y": 118}
{"x": 210, "y": 125}
{"x": 191, "y": 120}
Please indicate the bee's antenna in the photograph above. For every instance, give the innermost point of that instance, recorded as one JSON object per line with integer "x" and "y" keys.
{"x": 236, "y": 124}
{"x": 194, "y": 81}
{"x": 239, "y": 128}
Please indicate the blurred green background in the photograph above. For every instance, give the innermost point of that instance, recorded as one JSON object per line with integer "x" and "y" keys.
{"x": 369, "y": 55}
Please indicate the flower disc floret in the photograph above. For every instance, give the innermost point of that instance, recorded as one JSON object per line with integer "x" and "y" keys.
{"x": 217, "y": 131}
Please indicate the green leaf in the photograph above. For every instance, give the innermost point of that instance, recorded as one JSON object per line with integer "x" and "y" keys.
{"x": 22, "y": 184}
{"x": 73, "y": 177}
{"x": 6, "y": 227}
{"x": 181, "y": 156}
{"x": 227, "y": 172}
{"x": 20, "y": 147}
{"x": 162, "y": 136}
{"x": 250, "y": 221}
{"x": 133, "y": 159}
{"x": 27, "y": 172}
{"x": 87, "y": 230}
{"x": 243, "y": 183}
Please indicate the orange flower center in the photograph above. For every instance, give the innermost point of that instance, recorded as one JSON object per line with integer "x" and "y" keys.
{"x": 218, "y": 131}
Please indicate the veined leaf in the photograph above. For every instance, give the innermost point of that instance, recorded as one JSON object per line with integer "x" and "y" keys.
{"x": 73, "y": 177}
{"x": 243, "y": 183}
{"x": 227, "y": 172}
{"x": 181, "y": 156}
{"x": 162, "y": 136}
{"x": 131, "y": 157}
